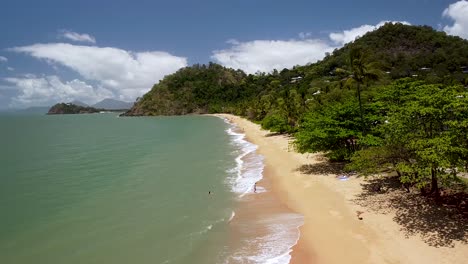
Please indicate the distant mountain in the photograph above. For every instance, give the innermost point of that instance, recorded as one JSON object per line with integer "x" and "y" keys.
{"x": 34, "y": 110}
{"x": 112, "y": 104}
{"x": 79, "y": 103}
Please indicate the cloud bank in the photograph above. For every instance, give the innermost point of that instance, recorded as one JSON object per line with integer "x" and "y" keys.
{"x": 48, "y": 90}
{"x": 126, "y": 74}
{"x": 458, "y": 12}
{"x": 73, "y": 36}
{"x": 266, "y": 55}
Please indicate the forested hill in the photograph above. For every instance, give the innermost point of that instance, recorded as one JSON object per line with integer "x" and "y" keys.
{"x": 404, "y": 50}
{"x": 395, "y": 50}
{"x": 195, "y": 89}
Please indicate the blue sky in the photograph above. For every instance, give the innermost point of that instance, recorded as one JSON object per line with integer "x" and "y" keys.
{"x": 54, "y": 51}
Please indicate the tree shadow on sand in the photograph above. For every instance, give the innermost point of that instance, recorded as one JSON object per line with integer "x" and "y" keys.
{"x": 322, "y": 168}
{"x": 439, "y": 224}
{"x": 273, "y": 134}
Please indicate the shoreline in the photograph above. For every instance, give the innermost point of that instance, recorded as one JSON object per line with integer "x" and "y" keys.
{"x": 262, "y": 228}
{"x": 332, "y": 232}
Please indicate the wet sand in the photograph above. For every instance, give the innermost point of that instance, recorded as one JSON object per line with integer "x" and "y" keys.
{"x": 262, "y": 229}
{"x": 251, "y": 228}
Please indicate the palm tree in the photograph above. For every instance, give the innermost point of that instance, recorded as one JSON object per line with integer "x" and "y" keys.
{"x": 361, "y": 73}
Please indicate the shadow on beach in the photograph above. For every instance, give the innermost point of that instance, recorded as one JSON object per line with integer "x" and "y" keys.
{"x": 273, "y": 134}
{"x": 438, "y": 223}
{"x": 322, "y": 168}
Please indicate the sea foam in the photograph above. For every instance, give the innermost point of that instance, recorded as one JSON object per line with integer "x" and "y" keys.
{"x": 284, "y": 233}
{"x": 275, "y": 247}
{"x": 249, "y": 165}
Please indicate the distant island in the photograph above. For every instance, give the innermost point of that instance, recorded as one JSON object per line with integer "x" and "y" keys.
{"x": 69, "y": 108}
{"x": 77, "y": 107}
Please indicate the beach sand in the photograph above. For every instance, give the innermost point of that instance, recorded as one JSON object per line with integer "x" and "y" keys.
{"x": 332, "y": 232}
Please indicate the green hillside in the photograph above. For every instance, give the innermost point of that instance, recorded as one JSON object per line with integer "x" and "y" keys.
{"x": 405, "y": 50}
{"x": 195, "y": 89}
{"x": 396, "y": 50}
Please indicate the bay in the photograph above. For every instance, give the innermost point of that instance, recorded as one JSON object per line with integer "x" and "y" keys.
{"x": 103, "y": 189}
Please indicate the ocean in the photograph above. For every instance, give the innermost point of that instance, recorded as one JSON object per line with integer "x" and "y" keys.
{"x": 98, "y": 188}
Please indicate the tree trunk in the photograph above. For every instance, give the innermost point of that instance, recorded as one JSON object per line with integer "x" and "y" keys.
{"x": 434, "y": 183}
{"x": 423, "y": 191}
{"x": 360, "y": 106}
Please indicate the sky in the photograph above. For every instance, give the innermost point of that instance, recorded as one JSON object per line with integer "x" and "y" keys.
{"x": 58, "y": 50}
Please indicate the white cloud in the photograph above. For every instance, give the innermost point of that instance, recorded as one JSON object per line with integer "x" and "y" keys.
{"x": 10, "y": 68}
{"x": 3, "y": 59}
{"x": 346, "y": 36}
{"x": 77, "y": 36}
{"x": 458, "y": 12}
{"x": 128, "y": 74}
{"x": 266, "y": 55}
{"x": 48, "y": 90}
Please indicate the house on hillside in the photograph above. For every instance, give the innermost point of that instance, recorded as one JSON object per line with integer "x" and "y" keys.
{"x": 296, "y": 79}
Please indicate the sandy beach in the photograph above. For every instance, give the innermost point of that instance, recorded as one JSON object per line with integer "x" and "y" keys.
{"x": 408, "y": 232}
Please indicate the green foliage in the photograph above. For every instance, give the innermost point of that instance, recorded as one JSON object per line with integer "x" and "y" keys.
{"x": 196, "y": 89}
{"x": 404, "y": 51}
{"x": 424, "y": 138}
{"x": 276, "y": 123}
{"x": 371, "y": 160}
{"x": 362, "y": 73}
{"x": 336, "y": 128}
{"x": 399, "y": 50}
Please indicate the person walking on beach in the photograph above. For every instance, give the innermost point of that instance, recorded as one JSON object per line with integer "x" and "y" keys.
{"x": 255, "y": 188}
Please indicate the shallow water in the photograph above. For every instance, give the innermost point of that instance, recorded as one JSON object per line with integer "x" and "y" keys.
{"x": 103, "y": 189}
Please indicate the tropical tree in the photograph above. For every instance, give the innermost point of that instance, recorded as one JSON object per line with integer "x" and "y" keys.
{"x": 424, "y": 134}
{"x": 361, "y": 73}
{"x": 333, "y": 129}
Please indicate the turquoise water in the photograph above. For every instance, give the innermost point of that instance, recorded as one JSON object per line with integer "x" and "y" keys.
{"x": 103, "y": 189}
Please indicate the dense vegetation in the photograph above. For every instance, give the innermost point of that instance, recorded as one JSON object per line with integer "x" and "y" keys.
{"x": 197, "y": 89}
{"x": 64, "y": 109}
{"x": 395, "y": 98}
